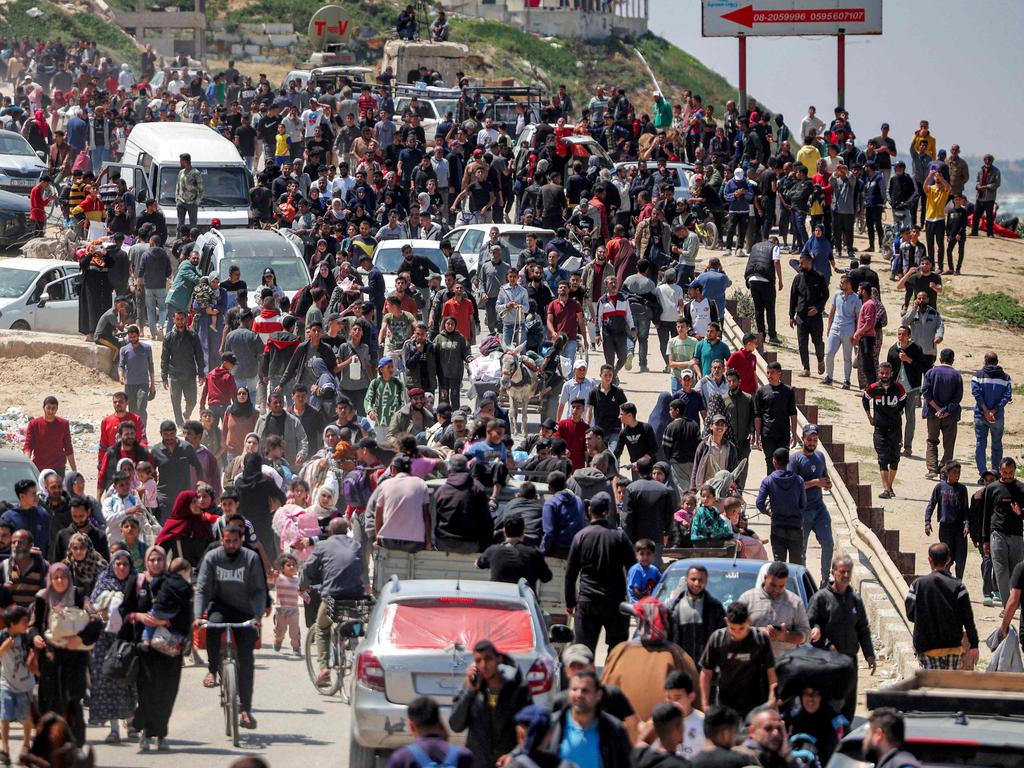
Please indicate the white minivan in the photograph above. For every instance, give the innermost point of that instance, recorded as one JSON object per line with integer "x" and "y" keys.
{"x": 151, "y": 163}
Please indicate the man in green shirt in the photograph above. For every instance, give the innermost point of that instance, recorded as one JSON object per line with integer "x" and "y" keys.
{"x": 386, "y": 394}
{"x": 710, "y": 349}
{"x": 681, "y": 350}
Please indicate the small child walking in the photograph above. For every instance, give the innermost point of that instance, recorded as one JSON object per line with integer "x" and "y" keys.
{"x": 16, "y": 682}
{"x": 171, "y": 595}
{"x": 286, "y": 617}
{"x": 949, "y": 501}
{"x": 642, "y": 579}
{"x": 144, "y": 473}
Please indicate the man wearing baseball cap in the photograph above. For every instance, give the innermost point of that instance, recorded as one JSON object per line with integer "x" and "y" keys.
{"x": 579, "y": 386}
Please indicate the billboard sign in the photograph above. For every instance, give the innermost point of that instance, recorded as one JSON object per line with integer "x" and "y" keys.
{"x": 777, "y": 18}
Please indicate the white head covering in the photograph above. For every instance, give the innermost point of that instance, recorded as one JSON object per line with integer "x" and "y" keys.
{"x": 738, "y": 174}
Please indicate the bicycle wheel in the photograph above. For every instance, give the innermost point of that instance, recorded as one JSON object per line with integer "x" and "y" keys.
{"x": 310, "y": 649}
{"x": 229, "y": 681}
{"x": 710, "y": 236}
{"x": 346, "y": 670}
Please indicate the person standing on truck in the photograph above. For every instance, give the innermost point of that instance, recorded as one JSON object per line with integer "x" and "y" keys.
{"x": 188, "y": 191}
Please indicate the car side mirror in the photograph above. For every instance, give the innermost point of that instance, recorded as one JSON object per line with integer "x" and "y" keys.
{"x": 43, "y": 298}
{"x": 560, "y": 634}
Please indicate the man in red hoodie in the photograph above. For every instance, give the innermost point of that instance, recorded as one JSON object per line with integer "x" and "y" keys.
{"x": 219, "y": 388}
{"x": 574, "y": 431}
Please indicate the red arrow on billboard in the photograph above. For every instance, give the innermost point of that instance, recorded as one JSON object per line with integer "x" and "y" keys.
{"x": 748, "y": 17}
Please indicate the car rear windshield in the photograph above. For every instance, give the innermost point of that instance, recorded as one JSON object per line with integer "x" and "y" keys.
{"x": 725, "y": 584}
{"x": 444, "y": 623}
{"x": 223, "y": 186}
{"x": 290, "y": 272}
{"x": 388, "y": 260}
{"x": 940, "y": 753}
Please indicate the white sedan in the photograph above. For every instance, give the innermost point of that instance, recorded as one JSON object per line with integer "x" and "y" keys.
{"x": 387, "y": 257}
{"x": 39, "y": 295}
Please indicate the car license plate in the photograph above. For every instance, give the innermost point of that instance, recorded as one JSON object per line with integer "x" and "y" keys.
{"x": 22, "y": 183}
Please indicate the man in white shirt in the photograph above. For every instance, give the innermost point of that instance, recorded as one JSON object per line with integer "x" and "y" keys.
{"x": 679, "y": 691}
{"x": 487, "y": 135}
{"x": 311, "y": 119}
{"x": 811, "y": 123}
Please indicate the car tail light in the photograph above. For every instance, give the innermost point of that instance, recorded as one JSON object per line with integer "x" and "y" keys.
{"x": 541, "y": 676}
{"x": 369, "y": 672}
{"x": 456, "y": 599}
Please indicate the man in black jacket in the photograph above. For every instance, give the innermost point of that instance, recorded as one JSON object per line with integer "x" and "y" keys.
{"x": 840, "y": 623}
{"x": 739, "y": 410}
{"x": 492, "y": 694}
{"x": 277, "y": 352}
{"x": 599, "y": 557}
{"x": 940, "y": 608}
{"x": 693, "y": 613}
{"x": 612, "y": 739}
{"x": 514, "y": 559}
{"x": 679, "y": 442}
{"x": 174, "y": 461}
{"x": 1002, "y": 525}
{"x": 647, "y": 509}
{"x": 182, "y": 367}
{"x": 908, "y": 366}
{"x": 807, "y": 297}
{"x": 463, "y": 522}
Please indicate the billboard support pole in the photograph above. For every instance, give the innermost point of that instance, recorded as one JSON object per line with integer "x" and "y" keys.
{"x": 743, "y": 73}
{"x": 841, "y": 69}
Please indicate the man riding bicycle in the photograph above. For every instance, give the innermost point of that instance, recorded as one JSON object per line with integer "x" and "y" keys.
{"x": 232, "y": 588}
{"x": 337, "y": 566}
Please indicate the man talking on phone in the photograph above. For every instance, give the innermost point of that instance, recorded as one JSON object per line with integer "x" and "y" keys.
{"x": 492, "y": 694}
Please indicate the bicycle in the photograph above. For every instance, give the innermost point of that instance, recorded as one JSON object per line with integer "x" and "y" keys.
{"x": 229, "y": 676}
{"x": 348, "y": 619}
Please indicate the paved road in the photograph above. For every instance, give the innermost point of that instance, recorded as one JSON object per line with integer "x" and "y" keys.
{"x": 290, "y": 714}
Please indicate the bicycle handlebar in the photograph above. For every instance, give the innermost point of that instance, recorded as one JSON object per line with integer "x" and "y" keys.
{"x": 216, "y": 625}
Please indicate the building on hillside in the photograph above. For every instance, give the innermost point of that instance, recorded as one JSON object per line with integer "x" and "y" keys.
{"x": 582, "y": 19}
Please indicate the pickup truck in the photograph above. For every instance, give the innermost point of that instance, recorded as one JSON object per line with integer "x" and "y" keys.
{"x": 451, "y": 565}
{"x": 952, "y": 718}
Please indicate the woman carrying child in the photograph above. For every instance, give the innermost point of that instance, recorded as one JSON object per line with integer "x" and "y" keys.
{"x": 109, "y": 699}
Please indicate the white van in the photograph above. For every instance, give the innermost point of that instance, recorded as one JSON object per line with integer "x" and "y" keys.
{"x": 151, "y": 162}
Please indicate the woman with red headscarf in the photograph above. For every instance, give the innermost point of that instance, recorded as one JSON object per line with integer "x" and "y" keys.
{"x": 37, "y": 132}
{"x": 186, "y": 533}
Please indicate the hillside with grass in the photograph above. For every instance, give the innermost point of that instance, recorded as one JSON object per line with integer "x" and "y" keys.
{"x": 497, "y": 51}
{"x": 69, "y": 25}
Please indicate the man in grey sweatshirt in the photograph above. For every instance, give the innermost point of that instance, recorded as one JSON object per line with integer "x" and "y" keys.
{"x": 232, "y": 586}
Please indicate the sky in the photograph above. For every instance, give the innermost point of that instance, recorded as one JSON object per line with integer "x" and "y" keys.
{"x": 926, "y": 64}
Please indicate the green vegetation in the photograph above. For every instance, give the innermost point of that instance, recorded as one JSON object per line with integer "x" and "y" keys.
{"x": 70, "y": 26}
{"x": 995, "y": 307}
{"x": 679, "y": 69}
{"x": 825, "y": 404}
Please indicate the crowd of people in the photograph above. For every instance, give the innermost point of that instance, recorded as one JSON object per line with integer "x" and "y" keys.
{"x": 321, "y": 414}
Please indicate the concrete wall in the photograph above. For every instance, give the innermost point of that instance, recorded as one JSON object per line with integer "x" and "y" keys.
{"x": 32, "y": 344}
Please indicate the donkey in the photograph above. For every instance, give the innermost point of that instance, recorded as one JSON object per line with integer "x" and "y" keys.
{"x": 520, "y": 382}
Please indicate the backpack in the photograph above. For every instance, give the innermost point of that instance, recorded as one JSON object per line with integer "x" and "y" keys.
{"x": 356, "y": 487}
{"x": 423, "y": 760}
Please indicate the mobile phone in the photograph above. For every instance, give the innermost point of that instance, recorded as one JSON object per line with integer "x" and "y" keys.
{"x": 475, "y": 676}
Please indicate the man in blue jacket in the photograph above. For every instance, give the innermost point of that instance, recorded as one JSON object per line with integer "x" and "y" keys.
{"x": 562, "y": 518}
{"x": 739, "y": 194}
{"x": 941, "y": 394}
{"x": 992, "y": 392}
{"x": 782, "y": 498}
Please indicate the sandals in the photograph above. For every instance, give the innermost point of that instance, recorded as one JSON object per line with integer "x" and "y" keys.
{"x": 210, "y": 681}
{"x": 246, "y": 720}
{"x": 324, "y": 678}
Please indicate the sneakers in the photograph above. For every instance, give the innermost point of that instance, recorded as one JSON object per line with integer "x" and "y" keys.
{"x": 996, "y": 597}
{"x": 988, "y": 601}
{"x": 277, "y": 646}
{"x": 644, "y": 369}
{"x": 906, "y": 452}
{"x": 775, "y": 340}
{"x": 145, "y": 743}
{"x": 805, "y": 373}
{"x": 629, "y": 362}
{"x": 887, "y": 494}
{"x": 161, "y": 745}
{"x": 929, "y": 475}
{"x": 846, "y": 385}
{"x": 827, "y": 381}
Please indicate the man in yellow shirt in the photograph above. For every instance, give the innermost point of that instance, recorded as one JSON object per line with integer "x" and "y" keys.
{"x": 936, "y": 190}
{"x": 808, "y": 156}
{"x": 923, "y": 133}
